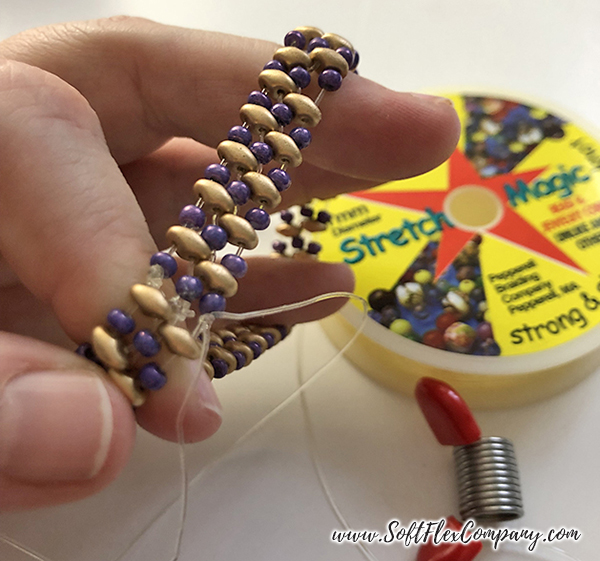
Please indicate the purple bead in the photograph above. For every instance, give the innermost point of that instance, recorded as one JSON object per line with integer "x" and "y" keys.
{"x": 355, "y": 61}
{"x": 235, "y": 265}
{"x": 192, "y": 217}
{"x": 301, "y": 137}
{"x": 220, "y": 367}
{"x": 313, "y": 248}
{"x": 330, "y": 80}
{"x": 301, "y": 76}
{"x": 212, "y": 302}
{"x": 85, "y": 350}
{"x": 145, "y": 343}
{"x": 347, "y": 54}
{"x": 283, "y": 330}
{"x": 259, "y": 98}
{"x": 295, "y": 39}
{"x": 239, "y": 192}
{"x": 258, "y": 218}
{"x": 274, "y": 65}
{"x": 217, "y": 173}
{"x": 120, "y": 321}
{"x": 317, "y": 42}
{"x": 189, "y": 287}
{"x": 297, "y": 242}
{"x": 280, "y": 178}
{"x": 229, "y": 338}
{"x": 324, "y": 217}
{"x": 152, "y": 377}
{"x": 166, "y": 261}
{"x": 306, "y": 211}
{"x": 240, "y": 359}
{"x": 269, "y": 339}
{"x": 256, "y": 348}
{"x": 279, "y": 246}
{"x": 283, "y": 114}
{"x": 262, "y": 152}
{"x": 240, "y": 134}
{"x": 286, "y": 216}
{"x": 214, "y": 236}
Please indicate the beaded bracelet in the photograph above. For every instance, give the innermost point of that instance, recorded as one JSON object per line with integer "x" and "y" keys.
{"x": 135, "y": 345}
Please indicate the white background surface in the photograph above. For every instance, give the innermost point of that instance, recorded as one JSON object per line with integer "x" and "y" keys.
{"x": 263, "y": 502}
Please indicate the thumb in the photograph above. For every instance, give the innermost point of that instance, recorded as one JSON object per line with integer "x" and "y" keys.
{"x": 65, "y": 432}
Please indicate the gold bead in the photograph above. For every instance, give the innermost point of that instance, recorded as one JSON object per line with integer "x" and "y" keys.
{"x": 108, "y": 349}
{"x": 292, "y": 56}
{"x": 335, "y": 41}
{"x": 258, "y": 119}
{"x": 275, "y": 333}
{"x": 209, "y": 369}
{"x": 189, "y": 243}
{"x": 239, "y": 329}
{"x": 309, "y": 33}
{"x": 224, "y": 333}
{"x": 217, "y": 277}
{"x": 128, "y": 387}
{"x": 215, "y": 197}
{"x": 223, "y": 354}
{"x": 302, "y": 255}
{"x": 288, "y": 230}
{"x": 277, "y": 83}
{"x": 216, "y": 339}
{"x": 263, "y": 190}
{"x": 306, "y": 113}
{"x": 180, "y": 341}
{"x": 285, "y": 150}
{"x": 313, "y": 226}
{"x": 152, "y": 301}
{"x": 326, "y": 58}
{"x": 237, "y": 155}
{"x": 239, "y": 231}
{"x": 277, "y": 255}
{"x": 249, "y": 337}
{"x": 234, "y": 346}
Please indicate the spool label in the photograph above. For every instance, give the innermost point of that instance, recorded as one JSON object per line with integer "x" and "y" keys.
{"x": 496, "y": 251}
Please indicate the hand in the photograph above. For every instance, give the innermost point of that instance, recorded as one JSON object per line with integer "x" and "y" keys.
{"x": 96, "y": 159}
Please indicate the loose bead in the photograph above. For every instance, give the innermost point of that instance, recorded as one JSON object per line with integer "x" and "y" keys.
{"x": 214, "y": 236}
{"x": 146, "y": 344}
{"x": 256, "y": 348}
{"x": 259, "y": 218}
{"x": 282, "y": 113}
{"x": 239, "y": 192}
{"x": 297, "y": 242}
{"x": 259, "y": 98}
{"x": 274, "y": 65}
{"x": 306, "y": 211}
{"x": 217, "y": 173}
{"x": 279, "y": 246}
{"x": 286, "y": 216}
{"x": 212, "y": 302}
{"x": 235, "y": 264}
{"x": 313, "y": 248}
{"x": 240, "y": 358}
{"x": 301, "y": 76}
{"x": 220, "y": 367}
{"x": 347, "y": 54}
{"x": 240, "y": 134}
{"x": 301, "y": 137}
{"x": 324, "y": 217}
{"x": 262, "y": 152}
{"x": 120, "y": 321}
{"x": 151, "y": 377}
{"x": 188, "y": 287}
{"x": 166, "y": 261}
{"x": 295, "y": 39}
{"x": 280, "y": 178}
{"x": 317, "y": 43}
{"x": 330, "y": 80}
{"x": 192, "y": 217}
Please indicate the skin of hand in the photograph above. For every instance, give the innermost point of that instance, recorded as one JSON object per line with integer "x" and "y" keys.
{"x": 104, "y": 127}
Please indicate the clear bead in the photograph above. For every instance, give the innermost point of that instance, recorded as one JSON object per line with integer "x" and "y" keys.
{"x": 181, "y": 309}
{"x": 155, "y": 276}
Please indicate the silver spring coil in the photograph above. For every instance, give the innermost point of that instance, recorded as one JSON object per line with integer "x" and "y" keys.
{"x": 489, "y": 488}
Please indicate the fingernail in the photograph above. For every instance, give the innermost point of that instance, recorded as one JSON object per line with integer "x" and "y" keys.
{"x": 54, "y": 426}
{"x": 432, "y": 98}
{"x": 208, "y": 395}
